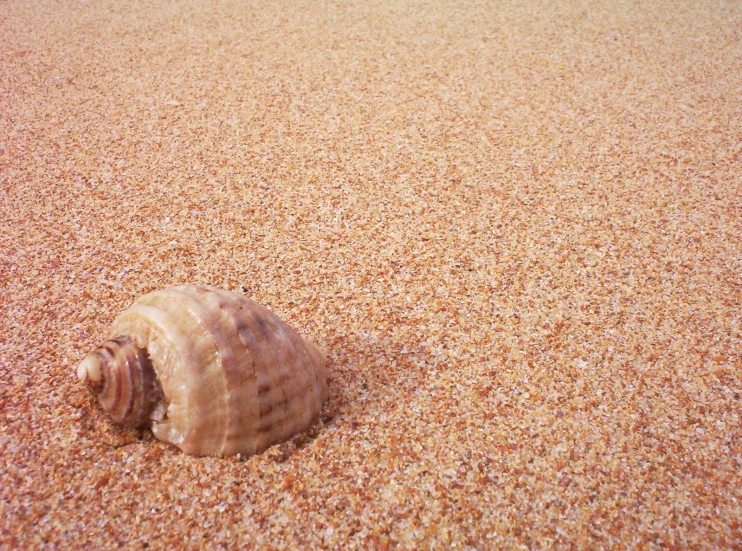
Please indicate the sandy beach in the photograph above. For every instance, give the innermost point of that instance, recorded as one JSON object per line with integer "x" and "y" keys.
{"x": 514, "y": 228}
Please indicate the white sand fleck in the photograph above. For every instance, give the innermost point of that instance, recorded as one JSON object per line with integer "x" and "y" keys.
{"x": 513, "y": 226}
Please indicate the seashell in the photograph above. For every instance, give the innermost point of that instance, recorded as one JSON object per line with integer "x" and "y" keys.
{"x": 210, "y": 371}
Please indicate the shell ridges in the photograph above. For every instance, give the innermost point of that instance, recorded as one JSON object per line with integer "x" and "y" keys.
{"x": 234, "y": 377}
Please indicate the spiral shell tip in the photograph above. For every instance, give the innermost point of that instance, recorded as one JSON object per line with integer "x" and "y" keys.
{"x": 89, "y": 370}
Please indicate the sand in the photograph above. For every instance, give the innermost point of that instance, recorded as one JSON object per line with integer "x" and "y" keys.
{"x": 514, "y": 228}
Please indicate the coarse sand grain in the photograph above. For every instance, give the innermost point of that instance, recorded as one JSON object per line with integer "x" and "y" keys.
{"x": 513, "y": 226}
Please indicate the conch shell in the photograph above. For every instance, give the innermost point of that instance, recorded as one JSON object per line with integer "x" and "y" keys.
{"x": 210, "y": 371}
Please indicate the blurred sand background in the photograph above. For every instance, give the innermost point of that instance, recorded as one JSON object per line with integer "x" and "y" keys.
{"x": 514, "y": 227}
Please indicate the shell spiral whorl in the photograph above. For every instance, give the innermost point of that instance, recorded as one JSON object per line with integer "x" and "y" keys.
{"x": 210, "y": 371}
{"x": 123, "y": 378}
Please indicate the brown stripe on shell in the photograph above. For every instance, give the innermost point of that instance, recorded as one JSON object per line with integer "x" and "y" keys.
{"x": 234, "y": 377}
{"x": 289, "y": 395}
{"x": 298, "y": 358}
{"x": 270, "y": 376}
{"x": 129, "y": 389}
{"x": 242, "y": 313}
{"x": 291, "y": 379}
{"x": 220, "y": 314}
